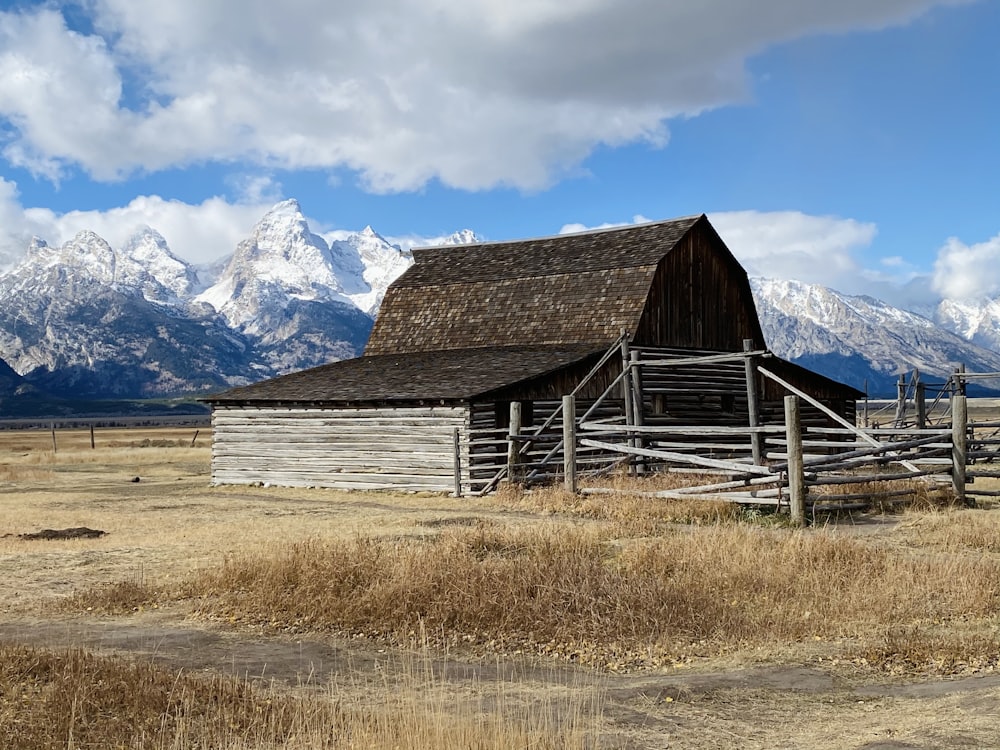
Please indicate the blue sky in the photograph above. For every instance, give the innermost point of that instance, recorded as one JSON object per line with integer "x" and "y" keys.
{"x": 853, "y": 144}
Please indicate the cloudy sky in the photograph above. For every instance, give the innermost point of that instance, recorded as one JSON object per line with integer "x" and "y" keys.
{"x": 852, "y": 143}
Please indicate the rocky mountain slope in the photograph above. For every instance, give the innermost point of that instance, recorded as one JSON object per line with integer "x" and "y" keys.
{"x": 84, "y": 319}
{"x": 287, "y": 291}
{"x": 860, "y": 340}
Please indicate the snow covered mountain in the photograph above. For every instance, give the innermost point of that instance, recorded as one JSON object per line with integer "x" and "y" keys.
{"x": 84, "y": 319}
{"x": 977, "y": 321}
{"x": 859, "y": 340}
{"x": 89, "y": 320}
{"x": 287, "y": 290}
{"x": 382, "y": 262}
{"x": 145, "y": 262}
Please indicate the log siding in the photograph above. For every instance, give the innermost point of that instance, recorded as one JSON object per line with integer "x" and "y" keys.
{"x": 403, "y": 448}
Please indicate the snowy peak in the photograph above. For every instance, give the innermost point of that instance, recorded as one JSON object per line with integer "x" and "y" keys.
{"x": 89, "y": 254}
{"x": 85, "y": 260}
{"x": 976, "y": 320}
{"x": 282, "y": 260}
{"x": 857, "y": 339}
{"x": 462, "y": 237}
{"x": 826, "y": 307}
{"x": 378, "y": 263}
{"x": 281, "y": 248}
{"x": 144, "y": 265}
{"x": 147, "y": 263}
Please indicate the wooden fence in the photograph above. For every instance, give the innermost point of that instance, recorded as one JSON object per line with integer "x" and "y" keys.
{"x": 790, "y": 463}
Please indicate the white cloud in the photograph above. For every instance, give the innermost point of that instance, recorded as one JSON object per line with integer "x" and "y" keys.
{"x": 784, "y": 244}
{"x": 825, "y": 250}
{"x": 963, "y": 272}
{"x": 577, "y": 227}
{"x": 256, "y": 188}
{"x": 794, "y": 245}
{"x": 476, "y": 94}
{"x": 198, "y": 233}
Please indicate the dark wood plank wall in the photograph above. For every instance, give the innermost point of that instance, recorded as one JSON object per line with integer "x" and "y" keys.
{"x": 700, "y": 298}
{"x": 488, "y": 437}
{"x": 555, "y": 385}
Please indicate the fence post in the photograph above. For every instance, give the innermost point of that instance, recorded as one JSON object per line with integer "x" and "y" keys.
{"x": 753, "y": 406}
{"x": 796, "y": 475}
{"x": 457, "y": 456}
{"x": 627, "y": 395}
{"x": 513, "y": 445}
{"x": 569, "y": 442}
{"x": 920, "y": 395}
{"x": 959, "y": 425}
{"x": 900, "y": 401}
{"x": 637, "y": 415}
{"x": 55, "y": 448}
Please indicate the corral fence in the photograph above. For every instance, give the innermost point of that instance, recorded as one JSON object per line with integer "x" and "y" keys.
{"x": 777, "y": 459}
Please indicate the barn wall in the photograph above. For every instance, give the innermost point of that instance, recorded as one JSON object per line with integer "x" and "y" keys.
{"x": 348, "y": 448}
{"x": 699, "y": 299}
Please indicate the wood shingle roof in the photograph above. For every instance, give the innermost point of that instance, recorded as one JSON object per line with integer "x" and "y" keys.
{"x": 453, "y": 375}
{"x": 568, "y": 289}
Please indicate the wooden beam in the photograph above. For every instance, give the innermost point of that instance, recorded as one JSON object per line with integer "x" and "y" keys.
{"x": 829, "y": 412}
{"x": 683, "y": 458}
{"x": 753, "y": 408}
{"x": 796, "y": 475}
{"x": 569, "y": 442}
{"x": 457, "y": 448}
{"x": 513, "y": 445}
{"x": 959, "y": 427}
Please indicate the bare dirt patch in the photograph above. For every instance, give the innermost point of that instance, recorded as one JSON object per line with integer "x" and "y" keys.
{"x": 172, "y": 523}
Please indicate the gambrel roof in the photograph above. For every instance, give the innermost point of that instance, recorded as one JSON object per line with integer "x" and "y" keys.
{"x": 567, "y": 289}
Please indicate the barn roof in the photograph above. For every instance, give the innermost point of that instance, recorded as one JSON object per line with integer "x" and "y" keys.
{"x": 568, "y": 289}
{"x": 452, "y": 375}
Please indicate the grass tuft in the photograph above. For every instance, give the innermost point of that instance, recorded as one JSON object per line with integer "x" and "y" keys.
{"x": 75, "y": 699}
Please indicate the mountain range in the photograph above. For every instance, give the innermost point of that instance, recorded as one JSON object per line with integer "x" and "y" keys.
{"x": 89, "y": 321}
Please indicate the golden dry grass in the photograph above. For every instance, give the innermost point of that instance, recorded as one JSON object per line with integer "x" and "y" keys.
{"x": 74, "y": 699}
{"x": 630, "y": 512}
{"x": 956, "y": 531}
{"x": 579, "y": 594}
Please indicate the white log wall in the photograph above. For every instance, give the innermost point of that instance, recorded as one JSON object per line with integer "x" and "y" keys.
{"x": 364, "y": 448}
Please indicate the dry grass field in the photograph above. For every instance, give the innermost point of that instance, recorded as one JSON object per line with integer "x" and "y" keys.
{"x": 252, "y": 617}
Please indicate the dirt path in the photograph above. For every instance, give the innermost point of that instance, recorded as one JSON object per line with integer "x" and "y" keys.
{"x": 769, "y": 706}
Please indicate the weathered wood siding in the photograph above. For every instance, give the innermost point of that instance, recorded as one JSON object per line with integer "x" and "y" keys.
{"x": 699, "y": 299}
{"x": 490, "y": 439}
{"x": 345, "y": 448}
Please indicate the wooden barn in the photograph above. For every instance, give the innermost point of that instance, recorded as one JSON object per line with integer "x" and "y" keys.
{"x": 468, "y": 330}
